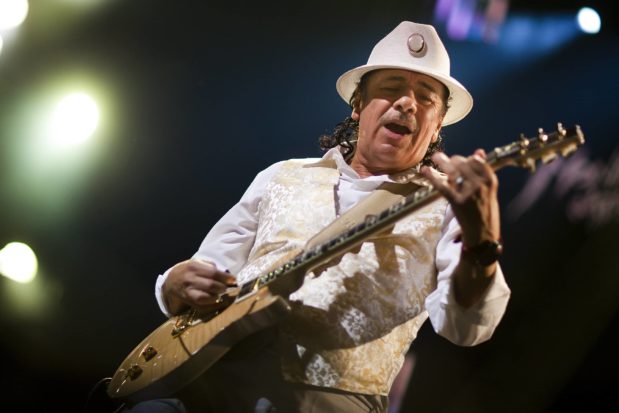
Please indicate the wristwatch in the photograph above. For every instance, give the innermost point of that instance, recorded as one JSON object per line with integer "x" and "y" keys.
{"x": 484, "y": 253}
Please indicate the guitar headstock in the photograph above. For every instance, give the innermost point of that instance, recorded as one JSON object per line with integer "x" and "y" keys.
{"x": 525, "y": 152}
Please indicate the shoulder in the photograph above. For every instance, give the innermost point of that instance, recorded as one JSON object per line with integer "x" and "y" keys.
{"x": 273, "y": 168}
{"x": 266, "y": 175}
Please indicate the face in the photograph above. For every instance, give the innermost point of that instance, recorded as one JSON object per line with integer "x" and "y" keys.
{"x": 399, "y": 114}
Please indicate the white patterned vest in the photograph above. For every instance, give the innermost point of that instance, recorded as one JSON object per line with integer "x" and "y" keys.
{"x": 352, "y": 324}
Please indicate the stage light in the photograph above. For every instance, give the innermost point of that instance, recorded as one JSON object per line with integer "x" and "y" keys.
{"x": 589, "y": 20}
{"x": 18, "y": 262}
{"x": 75, "y": 119}
{"x": 478, "y": 20}
{"x": 12, "y": 13}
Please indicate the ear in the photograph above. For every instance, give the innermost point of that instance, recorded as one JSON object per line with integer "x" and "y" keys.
{"x": 356, "y": 109}
{"x": 438, "y": 129}
{"x": 436, "y": 132}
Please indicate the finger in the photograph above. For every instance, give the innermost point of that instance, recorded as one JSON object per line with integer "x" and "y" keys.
{"x": 464, "y": 168}
{"x": 443, "y": 162}
{"x": 480, "y": 169}
{"x": 224, "y": 277}
{"x": 466, "y": 171}
{"x": 207, "y": 284}
{"x": 481, "y": 153}
{"x": 438, "y": 181}
{"x": 454, "y": 167}
{"x": 199, "y": 298}
{"x": 208, "y": 269}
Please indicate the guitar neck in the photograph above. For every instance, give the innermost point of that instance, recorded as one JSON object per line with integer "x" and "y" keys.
{"x": 522, "y": 153}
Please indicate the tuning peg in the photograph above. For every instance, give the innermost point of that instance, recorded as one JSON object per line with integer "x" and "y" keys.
{"x": 541, "y": 135}
{"x": 581, "y": 136}
{"x": 523, "y": 142}
{"x": 561, "y": 130}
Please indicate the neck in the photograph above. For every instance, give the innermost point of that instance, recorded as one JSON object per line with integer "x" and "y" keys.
{"x": 364, "y": 170}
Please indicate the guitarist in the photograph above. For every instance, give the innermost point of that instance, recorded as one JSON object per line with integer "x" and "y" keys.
{"x": 355, "y": 317}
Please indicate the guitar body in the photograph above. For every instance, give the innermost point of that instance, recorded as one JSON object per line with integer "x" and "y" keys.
{"x": 168, "y": 359}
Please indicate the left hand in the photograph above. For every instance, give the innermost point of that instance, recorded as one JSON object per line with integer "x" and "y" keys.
{"x": 471, "y": 188}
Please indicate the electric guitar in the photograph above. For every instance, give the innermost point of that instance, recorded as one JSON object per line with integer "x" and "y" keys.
{"x": 185, "y": 346}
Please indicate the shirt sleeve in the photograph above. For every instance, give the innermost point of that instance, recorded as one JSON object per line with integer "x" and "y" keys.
{"x": 230, "y": 240}
{"x": 463, "y": 326}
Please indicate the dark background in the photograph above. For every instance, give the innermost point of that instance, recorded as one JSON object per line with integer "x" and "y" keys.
{"x": 198, "y": 96}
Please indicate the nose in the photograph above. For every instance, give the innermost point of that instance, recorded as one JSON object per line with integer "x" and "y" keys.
{"x": 406, "y": 103}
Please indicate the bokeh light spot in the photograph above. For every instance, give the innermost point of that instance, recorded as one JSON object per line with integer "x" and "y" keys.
{"x": 12, "y": 13}
{"x": 18, "y": 262}
{"x": 75, "y": 119}
{"x": 589, "y": 20}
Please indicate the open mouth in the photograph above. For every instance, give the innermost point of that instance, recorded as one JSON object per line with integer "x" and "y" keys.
{"x": 399, "y": 129}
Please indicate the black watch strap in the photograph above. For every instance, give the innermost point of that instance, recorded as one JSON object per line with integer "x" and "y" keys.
{"x": 484, "y": 253}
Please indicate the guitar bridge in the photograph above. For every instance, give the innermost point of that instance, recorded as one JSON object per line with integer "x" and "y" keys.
{"x": 183, "y": 322}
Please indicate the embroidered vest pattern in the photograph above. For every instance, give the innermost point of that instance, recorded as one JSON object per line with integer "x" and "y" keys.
{"x": 352, "y": 324}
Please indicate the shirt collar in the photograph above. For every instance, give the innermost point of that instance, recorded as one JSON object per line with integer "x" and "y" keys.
{"x": 410, "y": 175}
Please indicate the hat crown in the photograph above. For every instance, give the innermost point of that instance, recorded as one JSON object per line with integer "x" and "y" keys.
{"x": 415, "y": 47}
{"x": 394, "y": 49}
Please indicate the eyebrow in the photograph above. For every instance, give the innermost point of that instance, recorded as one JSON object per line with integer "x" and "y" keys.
{"x": 427, "y": 86}
{"x": 423, "y": 83}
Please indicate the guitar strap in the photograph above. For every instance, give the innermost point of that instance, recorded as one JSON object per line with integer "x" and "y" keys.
{"x": 387, "y": 194}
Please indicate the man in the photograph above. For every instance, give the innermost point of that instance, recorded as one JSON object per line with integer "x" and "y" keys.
{"x": 354, "y": 319}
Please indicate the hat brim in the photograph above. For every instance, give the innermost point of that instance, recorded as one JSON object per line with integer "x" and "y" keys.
{"x": 460, "y": 100}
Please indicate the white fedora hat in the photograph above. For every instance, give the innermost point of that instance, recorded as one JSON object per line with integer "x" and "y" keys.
{"x": 415, "y": 47}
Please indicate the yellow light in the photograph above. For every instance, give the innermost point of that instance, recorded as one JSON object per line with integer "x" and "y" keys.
{"x": 18, "y": 262}
{"x": 75, "y": 119}
{"x": 12, "y": 13}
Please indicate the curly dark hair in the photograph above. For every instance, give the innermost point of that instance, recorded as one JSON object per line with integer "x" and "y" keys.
{"x": 345, "y": 133}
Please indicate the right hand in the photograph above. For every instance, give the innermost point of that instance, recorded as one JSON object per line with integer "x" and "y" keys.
{"x": 195, "y": 283}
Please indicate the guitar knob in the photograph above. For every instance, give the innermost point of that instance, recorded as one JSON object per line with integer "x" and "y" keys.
{"x": 149, "y": 352}
{"x": 133, "y": 372}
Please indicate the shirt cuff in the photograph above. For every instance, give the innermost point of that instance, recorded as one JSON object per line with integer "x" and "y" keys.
{"x": 472, "y": 325}
{"x": 487, "y": 307}
{"x": 159, "y": 293}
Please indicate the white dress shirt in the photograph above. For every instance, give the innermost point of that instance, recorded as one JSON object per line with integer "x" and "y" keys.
{"x": 228, "y": 243}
